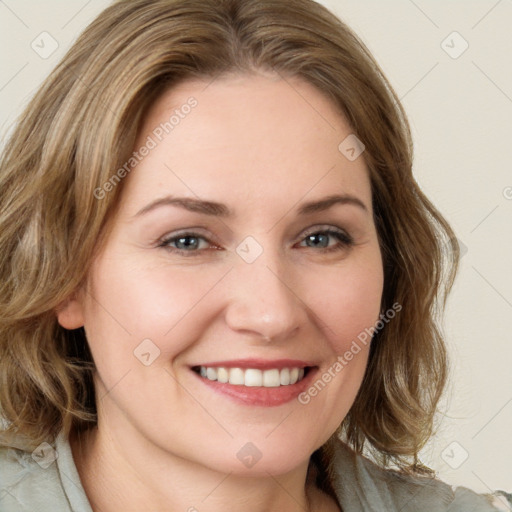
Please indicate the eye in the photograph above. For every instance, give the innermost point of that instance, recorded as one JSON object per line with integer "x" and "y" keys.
{"x": 320, "y": 238}
{"x": 189, "y": 243}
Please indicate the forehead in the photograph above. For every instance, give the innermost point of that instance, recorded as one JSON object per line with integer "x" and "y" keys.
{"x": 248, "y": 137}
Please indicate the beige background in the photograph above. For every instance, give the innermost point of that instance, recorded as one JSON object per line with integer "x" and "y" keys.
{"x": 461, "y": 115}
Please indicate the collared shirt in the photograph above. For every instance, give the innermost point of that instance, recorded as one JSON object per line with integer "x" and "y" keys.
{"x": 47, "y": 480}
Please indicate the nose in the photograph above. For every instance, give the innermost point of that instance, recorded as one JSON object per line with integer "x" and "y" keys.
{"x": 264, "y": 299}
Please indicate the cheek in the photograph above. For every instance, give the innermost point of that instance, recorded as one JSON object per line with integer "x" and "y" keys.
{"x": 348, "y": 302}
{"x": 130, "y": 302}
{"x": 347, "y": 306}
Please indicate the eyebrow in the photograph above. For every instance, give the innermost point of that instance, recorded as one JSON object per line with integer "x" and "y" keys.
{"x": 221, "y": 210}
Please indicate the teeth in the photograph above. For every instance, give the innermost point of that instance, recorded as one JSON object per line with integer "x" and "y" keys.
{"x": 253, "y": 377}
{"x": 222, "y": 375}
{"x": 211, "y": 373}
{"x": 271, "y": 378}
{"x": 236, "y": 376}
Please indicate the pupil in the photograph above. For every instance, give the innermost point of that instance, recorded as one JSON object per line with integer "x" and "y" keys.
{"x": 313, "y": 237}
{"x": 180, "y": 240}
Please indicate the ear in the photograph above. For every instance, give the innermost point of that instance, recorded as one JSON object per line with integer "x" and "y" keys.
{"x": 70, "y": 313}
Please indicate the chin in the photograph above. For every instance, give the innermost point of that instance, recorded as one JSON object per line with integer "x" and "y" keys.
{"x": 259, "y": 457}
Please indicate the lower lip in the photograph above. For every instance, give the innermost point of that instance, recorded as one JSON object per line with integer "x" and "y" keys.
{"x": 259, "y": 395}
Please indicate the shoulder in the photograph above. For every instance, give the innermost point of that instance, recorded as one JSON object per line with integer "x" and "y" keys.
{"x": 361, "y": 485}
{"x": 29, "y": 480}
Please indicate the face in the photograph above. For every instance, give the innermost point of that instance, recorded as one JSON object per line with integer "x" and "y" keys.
{"x": 201, "y": 316}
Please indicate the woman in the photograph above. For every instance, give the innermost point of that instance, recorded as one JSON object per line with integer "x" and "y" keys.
{"x": 219, "y": 276}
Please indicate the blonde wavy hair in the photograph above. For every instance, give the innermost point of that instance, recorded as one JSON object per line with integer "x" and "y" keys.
{"x": 81, "y": 126}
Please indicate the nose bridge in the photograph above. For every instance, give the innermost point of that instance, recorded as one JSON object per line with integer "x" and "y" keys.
{"x": 262, "y": 299}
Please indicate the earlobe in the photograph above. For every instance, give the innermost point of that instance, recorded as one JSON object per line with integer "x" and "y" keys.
{"x": 69, "y": 313}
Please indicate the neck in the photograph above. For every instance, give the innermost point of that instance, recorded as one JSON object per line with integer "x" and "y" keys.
{"x": 123, "y": 472}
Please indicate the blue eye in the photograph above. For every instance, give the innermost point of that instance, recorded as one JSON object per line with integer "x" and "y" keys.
{"x": 344, "y": 240}
{"x": 187, "y": 244}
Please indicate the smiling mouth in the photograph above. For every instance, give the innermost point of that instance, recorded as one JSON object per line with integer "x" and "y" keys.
{"x": 253, "y": 377}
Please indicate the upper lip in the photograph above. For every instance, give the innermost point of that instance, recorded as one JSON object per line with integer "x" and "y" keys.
{"x": 261, "y": 364}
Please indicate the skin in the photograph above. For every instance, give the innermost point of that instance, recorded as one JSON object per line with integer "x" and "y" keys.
{"x": 165, "y": 441}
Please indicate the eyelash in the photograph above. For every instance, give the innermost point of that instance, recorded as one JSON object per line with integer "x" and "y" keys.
{"x": 344, "y": 241}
